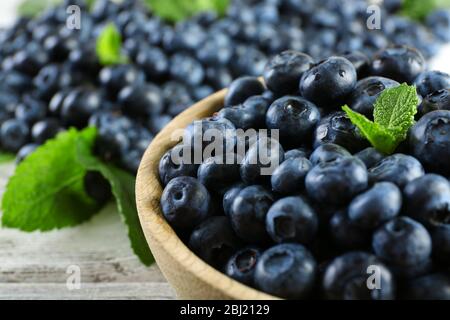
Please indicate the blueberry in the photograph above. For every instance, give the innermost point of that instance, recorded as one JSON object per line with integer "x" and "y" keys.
{"x": 438, "y": 100}
{"x": 375, "y": 206}
{"x": 328, "y": 152}
{"x": 260, "y": 161}
{"x": 283, "y": 72}
{"x": 217, "y": 173}
{"x": 30, "y": 59}
{"x": 346, "y": 234}
{"x": 441, "y": 244}
{"x": 291, "y": 219}
{"x": 58, "y": 47}
{"x": 397, "y": 168}
{"x": 295, "y": 118}
{"x": 186, "y": 69}
{"x": 30, "y": 110}
{"x": 241, "y": 89}
{"x": 329, "y": 82}
{"x": 248, "y": 214}
{"x": 297, "y": 153}
{"x": 57, "y": 101}
{"x": 45, "y": 130}
{"x": 153, "y": 62}
{"x": 185, "y": 203}
{"x": 347, "y": 278}
{"x": 400, "y": 63}
{"x": 367, "y": 92}
{"x": 242, "y": 265}
{"x": 216, "y": 50}
{"x": 370, "y": 156}
{"x": 25, "y": 151}
{"x": 230, "y": 194}
{"x": 14, "y": 134}
{"x": 287, "y": 271}
{"x": 157, "y": 122}
{"x": 439, "y": 22}
{"x": 289, "y": 177}
{"x": 115, "y": 78}
{"x": 434, "y": 286}
{"x": 97, "y": 187}
{"x": 214, "y": 241}
{"x": 360, "y": 61}
{"x": 79, "y": 105}
{"x": 170, "y": 168}
{"x": 141, "y": 100}
{"x": 429, "y": 140}
{"x": 251, "y": 114}
{"x": 431, "y": 81}
{"x": 196, "y": 135}
{"x": 338, "y": 129}
{"x": 338, "y": 181}
{"x": 402, "y": 242}
{"x": 427, "y": 199}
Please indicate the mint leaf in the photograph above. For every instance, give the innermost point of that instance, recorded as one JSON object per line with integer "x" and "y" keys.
{"x": 6, "y": 157}
{"x": 393, "y": 115}
{"x": 46, "y": 190}
{"x": 178, "y": 10}
{"x": 395, "y": 108}
{"x": 109, "y": 46}
{"x": 32, "y": 8}
{"x": 123, "y": 189}
{"x": 420, "y": 9}
{"x": 382, "y": 139}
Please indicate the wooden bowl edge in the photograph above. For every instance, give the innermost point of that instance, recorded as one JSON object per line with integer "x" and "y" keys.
{"x": 163, "y": 241}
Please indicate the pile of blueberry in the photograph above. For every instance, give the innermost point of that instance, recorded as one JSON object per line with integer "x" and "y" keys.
{"x": 335, "y": 212}
{"x": 51, "y": 79}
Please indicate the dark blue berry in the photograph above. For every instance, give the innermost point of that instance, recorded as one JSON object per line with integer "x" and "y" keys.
{"x": 14, "y": 134}
{"x": 338, "y": 181}
{"x": 295, "y": 118}
{"x": 287, "y": 271}
{"x": 214, "y": 241}
{"x": 289, "y": 177}
{"x": 242, "y": 265}
{"x": 347, "y": 278}
{"x": 375, "y": 206}
{"x": 241, "y": 89}
{"x": 402, "y": 242}
{"x": 248, "y": 214}
{"x": 397, "y": 168}
{"x": 429, "y": 140}
{"x": 185, "y": 203}
{"x": 291, "y": 219}
{"x": 328, "y": 152}
{"x": 329, "y": 82}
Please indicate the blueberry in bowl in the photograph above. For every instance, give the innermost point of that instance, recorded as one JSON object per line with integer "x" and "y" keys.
{"x": 321, "y": 213}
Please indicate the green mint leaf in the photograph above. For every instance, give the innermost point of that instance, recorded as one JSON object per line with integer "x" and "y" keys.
{"x": 178, "y": 10}
{"x": 123, "y": 188}
{"x": 46, "y": 190}
{"x": 395, "y": 109}
{"x": 420, "y": 9}
{"x": 109, "y": 46}
{"x": 32, "y": 8}
{"x": 383, "y": 139}
{"x": 6, "y": 157}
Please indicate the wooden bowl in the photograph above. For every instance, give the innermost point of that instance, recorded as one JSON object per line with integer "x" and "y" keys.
{"x": 191, "y": 277}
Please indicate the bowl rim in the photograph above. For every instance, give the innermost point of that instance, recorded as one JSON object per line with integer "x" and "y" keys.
{"x": 152, "y": 221}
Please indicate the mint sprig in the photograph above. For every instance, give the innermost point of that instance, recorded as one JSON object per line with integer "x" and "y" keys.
{"x": 109, "y": 46}
{"x": 420, "y": 9}
{"x": 47, "y": 189}
{"x": 393, "y": 113}
{"x": 178, "y": 10}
